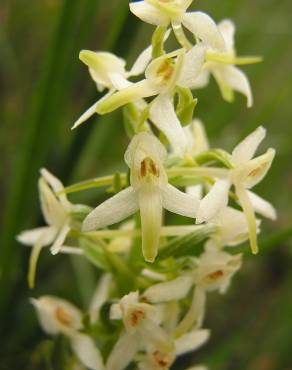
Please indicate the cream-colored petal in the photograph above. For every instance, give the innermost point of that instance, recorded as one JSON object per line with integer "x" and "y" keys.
{"x": 52, "y": 209}
{"x": 123, "y": 352}
{"x": 246, "y": 149}
{"x": 195, "y": 314}
{"x": 150, "y": 204}
{"x": 178, "y": 202}
{"x": 113, "y": 210}
{"x": 163, "y": 115}
{"x": 252, "y": 172}
{"x": 262, "y": 206}
{"x": 142, "y": 62}
{"x": 57, "y": 186}
{"x": 101, "y": 64}
{"x": 191, "y": 341}
{"x": 227, "y": 30}
{"x": 172, "y": 290}
{"x": 130, "y": 94}
{"x": 55, "y": 248}
{"x": 204, "y": 28}
{"x": 30, "y": 237}
{"x": 213, "y": 202}
{"x": 192, "y": 66}
{"x": 247, "y": 207}
{"x": 100, "y": 296}
{"x": 202, "y": 79}
{"x": 149, "y": 14}
{"x": 238, "y": 81}
{"x": 86, "y": 350}
{"x": 85, "y": 116}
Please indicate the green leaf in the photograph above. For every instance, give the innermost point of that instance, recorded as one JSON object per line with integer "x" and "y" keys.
{"x": 189, "y": 244}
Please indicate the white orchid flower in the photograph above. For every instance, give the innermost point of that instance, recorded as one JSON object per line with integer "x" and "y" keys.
{"x": 215, "y": 269}
{"x": 246, "y": 173}
{"x": 109, "y": 72}
{"x": 149, "y": 192}
{"x": 56, "y": 212}
{"x": 165, "y": 12}
{"x": 178, "y": 68}
{"x": 221, "y": 64}
{"x": 58, "y": 316}
{"x": 232, "y": 227}
{"x": 142, "y": 330}
{"x": 190, "y": 342}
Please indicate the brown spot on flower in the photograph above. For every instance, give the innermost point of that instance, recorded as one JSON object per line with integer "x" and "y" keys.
{"x": 148, "y": 167}
{"x": 63, "y": 316}
{"x": 254, "y": 172}
{"x": 137, "y": 316}
{"x": 215, "y": 275}
{"x": 165, "y": 70}
{"x": 162, "y": 360}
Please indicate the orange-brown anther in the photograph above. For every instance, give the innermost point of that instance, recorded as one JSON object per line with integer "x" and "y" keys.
{"x": 215, "y": 275}
{"x": 63, "y": 316}
{"x": 165, "y": 70}
{"x": 148, "y": 167}
{"x": 254, "y": 172}
{"x": 137, "y": 316}
{"x": 161, "y": 359}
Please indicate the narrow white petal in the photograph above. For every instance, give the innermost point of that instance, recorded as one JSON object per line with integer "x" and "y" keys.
{"x": 60, "y": 239}
{"x": 169, "y": 291}
{"x": 87, "y": 352}
{"x": 203, "y": 27}
{"x": 85, "y": 116}
{"x": 191, "y": 341}
{"x": 177, "y": 201}
{"x": 262, "y": 206}
{"x": 238, "y": 81}
{"x": 30, "y": 237}
{"x": 227, "y": 29}
{"x": 53, "y": 211}
{"x": 214, "y": 201}
{"x": 142, "y": 62}
{"x": 136, "y": 91}
{"x": 100, "y": 296}
{"x": 148, "y": 13}
{"x": 123, "y": 352}
{"x": 113, "y": 210}
{"x": 151, "y": 220}
{"x": 163, "y": 115}
{"x": 57, "y": 186}
{"x": 192, "y": 66}
{"x": 246, "y": 149}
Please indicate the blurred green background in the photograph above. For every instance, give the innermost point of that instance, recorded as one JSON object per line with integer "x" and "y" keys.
{"x": 44, "y": 88}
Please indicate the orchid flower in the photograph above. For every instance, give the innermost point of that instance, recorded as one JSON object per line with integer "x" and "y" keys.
{"x": 149, "y": 192}
{"x": 56, "y": 212}
{"x": 246, "y": 173}
{"x": 142, "y": 329}
{"x": 165, "y": 12}
{"x": 58, "y": 316}
{"x": 178, "y": 68}
{"x": 108, "y": 72}
{"x": 221, "y": 64}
